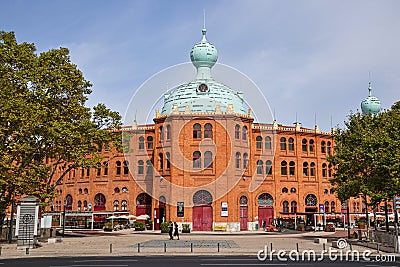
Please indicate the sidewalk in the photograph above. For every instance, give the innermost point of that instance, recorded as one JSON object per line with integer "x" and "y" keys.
{"x": 125, "y": 243}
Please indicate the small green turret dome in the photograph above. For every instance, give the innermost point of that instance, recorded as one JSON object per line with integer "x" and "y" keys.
{"x": 204, "y": 54}
{"x": 371, "y": 104}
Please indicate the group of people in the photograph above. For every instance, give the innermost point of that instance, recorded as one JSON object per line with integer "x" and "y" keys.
{"x": 171, "y": 229}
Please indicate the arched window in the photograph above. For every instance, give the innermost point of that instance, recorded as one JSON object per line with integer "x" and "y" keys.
{"x": 291, "y": 144}
{"x": 124, "y": 205}
{"x": 79, "y": 205}
{"x": 87, "y": 172}
{"x": 304, "y": 145}
{"x": 268, "y": 145}
{"x": 258, "y": 142}
{"x": 265, "y": 200}
{"x": 118, "y": 164}
{"x": 324, "y": 170}
{"x": 208, "y": 159}
{"x": 143, "y": 199}
{"x": 207, "y": 130}
{"x": 312, "y": 169}
{"x": 245, "y": 160}
{"x": 149, "y": 142}
{"x": 98, "y": 168}
{"x": 80, "y": 191}
{"x": 293, "y": 207}
{"x": 85, "y": 191}
{"x": 285, "y": 190}
{"x": 82, "y": 172}
{"x": 323, "y": 147}
{"x": 332, "y": 191}
{"x": 196, "y": 159}
{"x": 268, "y": 167}
{"x": 244, "y": 133}
{"x": 330, "y": 170}
{"x": 285, "y": 206}
{"x": 326, "y": 204}
{"x": 99, "y": 202}
{"x": 293, "y": 190}
{"x": 197, "y": 131}
{"x": 283, "y": 143}
{"x": 105, "y": 171}
{"x": 124, "y": 189}
{"x": 305, "y": 169}
{"x": 161, "y": 161}
{"x": 149, "y": 166}
{"x": 238, "y": 160}
{"x": 326, "y": 191}
{"x": 243, "y": 201}
{"x": 202, "y": 197}
{"x": 283, "y": 168}
{"x": 260, "y": 167}
{"x": 328, "y": 147}
{"x": 168, "y": 156}
{"x": 292, "y": 168}
{"x": 311, "y": 200}
{"x": 116, "y": 205}
{"x": 126, "y": 167}
{"x": 68, "y": 200}
{"x": 161, "y": 133}
{"x": 85, "y": 205}
{"x": 237, "y": 132}
{"x": 116, "y": 190}
{"x": 141, "y": 142}
{"x": 311, "y": 146}
{"x": 168, "y": 132}
{"x": 333, "y": 206}
{"x": 140, "y": 167}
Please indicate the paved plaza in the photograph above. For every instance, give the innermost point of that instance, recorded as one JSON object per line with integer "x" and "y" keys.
{"x": 130, "y": 243}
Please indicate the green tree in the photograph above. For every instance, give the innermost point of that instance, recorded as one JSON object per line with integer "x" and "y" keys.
{"x": 367, "y": 156}
{"x": 45, "y": 128}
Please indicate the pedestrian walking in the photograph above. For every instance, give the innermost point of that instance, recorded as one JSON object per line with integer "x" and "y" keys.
{"x": 176, "y": 233}
{"x": 171, "y": 229}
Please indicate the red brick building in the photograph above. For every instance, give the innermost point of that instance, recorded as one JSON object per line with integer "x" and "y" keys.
{"x": 206, "y": 162}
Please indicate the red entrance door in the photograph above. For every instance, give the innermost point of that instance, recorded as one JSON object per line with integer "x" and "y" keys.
{"x": 265, "y": 214}
{"x": 143, "y": 209}
{"x": 202, "y": 218}
{"x": 243, "y": 218}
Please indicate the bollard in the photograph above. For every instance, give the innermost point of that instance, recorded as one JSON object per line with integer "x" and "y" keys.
{"x": 191, "y": 247}
{"x": 377, "y": 248}
{"x": 110, "y": 248}
{"x": 0, "y": 250}
{"x": 297, "y": 247}
{"x": 271, "y": 246}
{"x": 324, "y": 246}
{"x": 218, "y": 246}
{"x": 27, "y": 251}
{"x": 351, "y": 247}
{"x": 138, "y": 247}
{"x": 165, "y": 247}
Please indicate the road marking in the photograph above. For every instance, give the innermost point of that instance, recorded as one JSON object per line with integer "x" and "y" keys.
{"x": 239, "y": 264}
{"x": 89, "y": 265}
{"x": 122, "y": 260}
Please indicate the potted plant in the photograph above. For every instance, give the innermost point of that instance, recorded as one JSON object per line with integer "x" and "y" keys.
{"x": 164, "y": 227}
{"x": 108, "y": 227}
{"x": 361, "y": 224}
{"x": 139, "y": 226}
{"x": 185, "y": 228}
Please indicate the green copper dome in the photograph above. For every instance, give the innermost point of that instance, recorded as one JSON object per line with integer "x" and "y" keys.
{"x": 203, "y": 94}
{"x": 371, "y": 104}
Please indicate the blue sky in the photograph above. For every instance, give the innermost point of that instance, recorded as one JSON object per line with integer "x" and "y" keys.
{"x": 310, "y": 58}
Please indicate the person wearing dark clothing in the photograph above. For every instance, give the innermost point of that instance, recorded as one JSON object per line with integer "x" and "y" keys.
{"x": 171, "y": 229}
{"x": 176, "y": 233}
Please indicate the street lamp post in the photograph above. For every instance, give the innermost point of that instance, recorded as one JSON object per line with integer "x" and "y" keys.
{"x": 63, "y": 225}
{"x": 11, "y": 221}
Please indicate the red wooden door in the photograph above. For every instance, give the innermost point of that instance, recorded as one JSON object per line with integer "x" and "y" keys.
{"x": 143, "y": 209}
{"x": 243, "y": 218}
{"x": 265, "y": 214}
{"x": 202, "y": 218}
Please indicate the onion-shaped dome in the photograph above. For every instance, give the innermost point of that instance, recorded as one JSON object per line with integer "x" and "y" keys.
{"x": 371, "y": 104}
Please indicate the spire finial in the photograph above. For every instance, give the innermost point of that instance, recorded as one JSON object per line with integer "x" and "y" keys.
{"x": 204, "y": 27}
{"x": 369, "y": 88}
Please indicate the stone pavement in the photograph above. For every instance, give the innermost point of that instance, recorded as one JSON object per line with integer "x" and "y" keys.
{"x": 128, "y": 243}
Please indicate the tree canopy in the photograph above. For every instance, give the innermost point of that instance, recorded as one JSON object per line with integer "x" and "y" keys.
{"x": 45, "y": 128}
{"x": 367, "y": 156}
